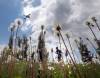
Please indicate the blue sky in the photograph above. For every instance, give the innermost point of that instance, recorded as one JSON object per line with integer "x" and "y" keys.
{"x": 9, "y": 10}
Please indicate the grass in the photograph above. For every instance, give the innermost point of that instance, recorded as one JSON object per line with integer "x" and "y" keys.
{"x": 22, "y": 69}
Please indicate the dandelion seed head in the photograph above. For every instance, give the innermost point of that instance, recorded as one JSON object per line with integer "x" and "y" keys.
{"x": 18, "y": 22}
{"x": 94, "y": 19}
{"x": 12, "y": 27}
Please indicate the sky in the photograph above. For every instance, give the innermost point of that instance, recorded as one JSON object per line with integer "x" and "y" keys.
{"x": 70, "y": 14}
{"x": 9, "y": 10}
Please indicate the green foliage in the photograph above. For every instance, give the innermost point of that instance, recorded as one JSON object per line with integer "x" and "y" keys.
{"x": 21, "y": 67}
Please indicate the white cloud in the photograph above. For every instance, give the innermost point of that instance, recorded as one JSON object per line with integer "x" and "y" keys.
{"x": 71, "y": 14}
{"x": 2, "y": 47}
{"x": 76, "y": 9}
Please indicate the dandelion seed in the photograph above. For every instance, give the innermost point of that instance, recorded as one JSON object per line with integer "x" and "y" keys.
{"x": 94, "y": 19}
{"x": 18, "y": 22}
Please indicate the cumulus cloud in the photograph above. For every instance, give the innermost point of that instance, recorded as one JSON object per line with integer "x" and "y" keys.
{"x": 70, "y": 14}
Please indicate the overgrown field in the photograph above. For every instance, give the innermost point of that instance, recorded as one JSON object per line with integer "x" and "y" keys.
{"x": 24, "y": 69}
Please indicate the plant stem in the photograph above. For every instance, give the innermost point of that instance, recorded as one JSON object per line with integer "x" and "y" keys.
{"x": 70, "y": 55}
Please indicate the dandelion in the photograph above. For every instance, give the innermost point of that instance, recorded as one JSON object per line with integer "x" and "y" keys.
{"x": 10, "y": 42}
{"x": 85, "y": 53}
{"x": 12, "y": 27}
{"x": 89, "y": 25}
{"x": 41, "y": 45}
{"x": 91, "y": 43}
{"x": 59, "y": 40}
{"x": 95, "y": 21}
{"x": 70, "y": 46}
{"x": 18, "y": 22}
{"x": 42, "y": 27}
{"x": 58, "y": 28}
